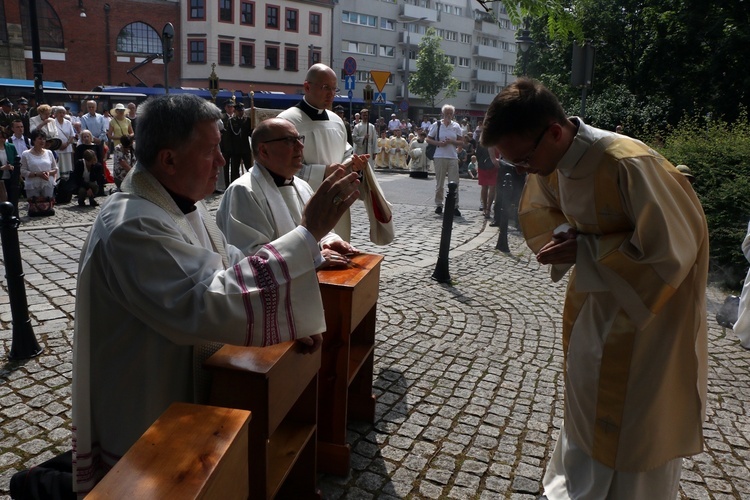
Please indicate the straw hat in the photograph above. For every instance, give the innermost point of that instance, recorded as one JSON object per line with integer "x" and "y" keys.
{"x": 120, "y": 107}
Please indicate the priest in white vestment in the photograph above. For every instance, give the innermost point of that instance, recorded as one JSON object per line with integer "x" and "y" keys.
{"x": 268, "y": 201}
{"x": 634, "y": 329}
{"x": 159, "y": 287}
{"x": 326, "y": 147}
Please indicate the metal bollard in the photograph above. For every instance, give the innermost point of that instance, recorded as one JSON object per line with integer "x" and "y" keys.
{"x": 24, "y": 344}
{"x": 442, "y": 274}
{"x": 502, "y": 238}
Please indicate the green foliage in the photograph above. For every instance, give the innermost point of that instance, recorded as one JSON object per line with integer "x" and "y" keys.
{"x": 434, "y": 73}
{"x": 718, "y": 154}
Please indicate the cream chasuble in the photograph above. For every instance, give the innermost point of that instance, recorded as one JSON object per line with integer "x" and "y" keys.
{"x": 634, "y": 322}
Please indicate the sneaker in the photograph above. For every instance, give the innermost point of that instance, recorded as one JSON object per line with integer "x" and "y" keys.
{"x": 456, "y": 212}
{"x": 438, "y": 210}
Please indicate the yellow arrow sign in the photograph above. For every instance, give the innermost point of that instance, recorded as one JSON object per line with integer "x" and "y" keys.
{"x": 380, "y": 78}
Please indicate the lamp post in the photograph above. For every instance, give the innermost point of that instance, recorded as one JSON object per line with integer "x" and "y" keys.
{"x": 524, "y": 42}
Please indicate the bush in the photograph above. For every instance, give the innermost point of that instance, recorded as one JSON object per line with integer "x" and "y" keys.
{"x": 718, "y": 154}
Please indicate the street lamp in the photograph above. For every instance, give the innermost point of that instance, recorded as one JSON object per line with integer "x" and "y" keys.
{"x": 524, "y": 42}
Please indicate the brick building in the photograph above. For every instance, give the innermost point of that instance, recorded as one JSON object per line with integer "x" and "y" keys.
{"x": 87, "y": 43}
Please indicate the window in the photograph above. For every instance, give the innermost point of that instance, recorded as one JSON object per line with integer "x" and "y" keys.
{"x": 464, "y": 86}
{"x": 458, "y": 11}
{"x": 487, "y": 88}
{"x": 292, "y": 23}
{"x": 315, "y": 22}
{"x": 247, "y": 13}
{"x": 225, "y": 53}
{"x": 316, "y": 58}
{"x": 451, "y": 59}
{"x": 225, "y": 11}
{"x": 451, "y": 36}
{"x": 50, "y": 27}
{"x": 197, "y": 9}
{"x": 387, "y": 24}
{"x": 464, "y": 62}
{"x": 290, "y": 59}
{"x": 197, "y": 51}
{"x": 358, "y": 47}
{"x": 361, "y": 19}
{"x": 387, "y": 51}
{"x": 272, "y": 17}
{"x": 272, "y": 58}
{"x": 440, "y": 32}
{"x": 247, "y": 54}
{"x": 465, "y": 38}
{"x": 139, "y": 38}
{"x": 364, "y": 77}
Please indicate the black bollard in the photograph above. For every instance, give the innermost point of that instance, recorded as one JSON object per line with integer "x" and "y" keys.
{"x": 442, "y": 274}
{"x": 24, "y": 344}
{"x": 502, "y": 238}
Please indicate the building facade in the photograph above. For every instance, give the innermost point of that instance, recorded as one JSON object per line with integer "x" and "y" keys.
{"x": 87, "y": 43}
{"x": 384, "y": 35}
{"x": 258, "y": 45}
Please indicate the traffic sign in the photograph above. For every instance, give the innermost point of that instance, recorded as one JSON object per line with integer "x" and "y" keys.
{"x": 380, "y": 78}
{"x": 351, "y": 95}
{"x": 403, "y": 105}
{"x": 350, "y": 82}
{"x": 350, "y": 66}
{"x": 379, "y": 98}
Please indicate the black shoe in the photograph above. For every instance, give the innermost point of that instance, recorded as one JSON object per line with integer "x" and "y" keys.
{"x": 494, "y": 224}
{"x": 81, "y": 202}
{"x": 438, "y": 210}
{"x": 93, "y": 202}
{"x": 456, "y": 212}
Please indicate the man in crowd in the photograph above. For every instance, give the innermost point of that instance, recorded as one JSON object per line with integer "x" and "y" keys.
{"x": 268, "y": 201}
{"x": 18, "y": 139}
{"x": 226, "y": 115}
{"x": 158, "y": 285}
{"x": 6, "y": 113}
{"x": 22, "y": 105}
{"x": 238, "y": 131}
{"x": 634, "y": 320}
{"x": 446, "y": 136}
{"x": 364, "y": 135}
{"x": 97, "y": 125}
{"x": 399, "y": 149}
{"x": 326, "y": 148}
{"x": 394, "y": 124}
{"x": 339, "y": 110}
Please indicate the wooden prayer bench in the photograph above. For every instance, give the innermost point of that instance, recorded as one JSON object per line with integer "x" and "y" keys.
{"x": 278, "y": 384}
{"x": 190, "y": 452}
{"x": 350, "y": 298}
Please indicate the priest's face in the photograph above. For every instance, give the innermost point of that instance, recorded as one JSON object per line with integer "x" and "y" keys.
{"x": 281, "y": 153}
{"x": 193, "y": 169}
{"x": 532, "y": 155}
{"x": 321, "y": 92}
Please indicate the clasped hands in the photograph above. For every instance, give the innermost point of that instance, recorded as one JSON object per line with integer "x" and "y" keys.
{"x": 561, "y": 249}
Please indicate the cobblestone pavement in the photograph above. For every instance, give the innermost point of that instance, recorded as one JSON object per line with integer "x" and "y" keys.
{"x": 468, "y": 376}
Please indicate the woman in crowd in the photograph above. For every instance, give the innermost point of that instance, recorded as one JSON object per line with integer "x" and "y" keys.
{"x": 43, "y": 121}
{"x": 39, "y": 170}
{"x": 120, "y": 125}
{"x": 67, "y": 134}
{"x": 8, "y": 156}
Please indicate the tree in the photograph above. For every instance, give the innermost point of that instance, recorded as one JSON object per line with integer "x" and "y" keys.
{"x": 434, "y": 72}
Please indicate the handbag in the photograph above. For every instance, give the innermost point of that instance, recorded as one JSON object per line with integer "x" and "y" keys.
{"x": 430, "y": 152}
{"x": 378, "y": 209}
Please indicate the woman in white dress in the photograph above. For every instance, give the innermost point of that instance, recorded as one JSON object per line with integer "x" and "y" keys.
{"x": 67, "y": 134}
{"x": 39, "y": 170}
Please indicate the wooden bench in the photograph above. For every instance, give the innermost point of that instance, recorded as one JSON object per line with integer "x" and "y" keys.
{"x": 190, "y": 452}
{"x": 278, "y": 384}
{"x": 350, "y": 298}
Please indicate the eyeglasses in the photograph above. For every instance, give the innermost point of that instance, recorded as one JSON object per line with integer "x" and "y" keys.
{"x": 291, "y": 140}
{"x": 327, "y": 88}
{"x": 525, "y": 162}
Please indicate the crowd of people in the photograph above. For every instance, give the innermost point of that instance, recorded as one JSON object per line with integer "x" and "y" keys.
{"x": 45, "y": 156}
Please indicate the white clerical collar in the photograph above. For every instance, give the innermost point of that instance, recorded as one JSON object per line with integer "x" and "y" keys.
{"x": 320, "y": 111}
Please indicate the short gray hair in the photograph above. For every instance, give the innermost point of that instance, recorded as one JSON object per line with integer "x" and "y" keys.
{"x": 448, "y": 107}
{"x": 168, "y": 122}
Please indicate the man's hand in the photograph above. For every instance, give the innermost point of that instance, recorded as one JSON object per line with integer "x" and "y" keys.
{"x": 333, "y": 260}
{"x": 312, "y": 343}
{"x": 341, "y": 246}
{"x": 334, "y": 196}
{"x": 356, "y": 163}
{"x": 561, "y": 250}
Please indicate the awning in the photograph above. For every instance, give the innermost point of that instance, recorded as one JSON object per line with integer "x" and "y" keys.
{"x": 28, "y": 84}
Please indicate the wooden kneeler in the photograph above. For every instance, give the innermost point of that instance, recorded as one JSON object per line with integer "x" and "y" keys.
{"x": 190, "y": 452}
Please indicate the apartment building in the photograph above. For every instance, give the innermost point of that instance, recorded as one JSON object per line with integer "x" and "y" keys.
{"x": 384, "y": 35}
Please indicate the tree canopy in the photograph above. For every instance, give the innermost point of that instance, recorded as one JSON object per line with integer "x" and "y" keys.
{"x": 434, "y": 72}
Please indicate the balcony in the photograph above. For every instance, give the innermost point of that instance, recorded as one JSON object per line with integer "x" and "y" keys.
{"x": 485, "y": 75}
{"x": 402, "y": 64}
{"x": 408, "y": 12}
{"x": 482, "y": 99}
{"x": 488, "y": 52}
{"x": 414, "y": 38}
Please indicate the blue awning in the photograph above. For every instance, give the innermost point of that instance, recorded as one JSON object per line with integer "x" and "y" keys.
{"x": 29, "y": 84}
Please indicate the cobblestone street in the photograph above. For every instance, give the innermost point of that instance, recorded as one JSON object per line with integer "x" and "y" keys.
{"x": 468, "y": 376}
